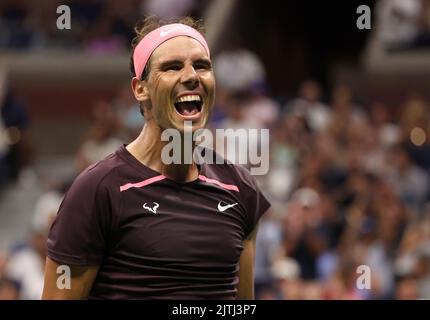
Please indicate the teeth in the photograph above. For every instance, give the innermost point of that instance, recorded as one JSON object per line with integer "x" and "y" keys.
{"x": 188, "y": 98}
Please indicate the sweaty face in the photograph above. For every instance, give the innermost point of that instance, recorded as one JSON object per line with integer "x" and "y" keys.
{"x": 181, "y": 84}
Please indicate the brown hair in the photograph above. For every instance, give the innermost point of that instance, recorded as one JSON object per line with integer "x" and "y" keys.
{"x": 150, "y": 23}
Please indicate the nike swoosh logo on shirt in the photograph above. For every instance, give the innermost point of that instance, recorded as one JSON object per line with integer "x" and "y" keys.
{"x": 165, "y": 33}
{"x": 223, "y": 208}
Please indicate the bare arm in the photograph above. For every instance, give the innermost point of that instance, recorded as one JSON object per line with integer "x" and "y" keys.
{"x": 245, "y": 288}
{"x": 82, "y": 279}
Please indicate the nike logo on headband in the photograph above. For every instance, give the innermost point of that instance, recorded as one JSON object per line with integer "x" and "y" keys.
{"x": 165, "y": 33}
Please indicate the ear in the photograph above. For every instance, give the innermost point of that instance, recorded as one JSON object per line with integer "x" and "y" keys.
{"x": 140, "y": 89}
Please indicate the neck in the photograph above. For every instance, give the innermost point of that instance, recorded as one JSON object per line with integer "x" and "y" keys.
{"x": 147, "y": 148}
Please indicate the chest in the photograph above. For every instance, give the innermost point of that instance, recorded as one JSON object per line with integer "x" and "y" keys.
{"x": 189, "y": 224}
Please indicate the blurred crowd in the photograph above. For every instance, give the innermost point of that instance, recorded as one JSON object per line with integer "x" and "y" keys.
{"x": 403, "y": 24}
{"x": 97, "y": 26}
{"x": 350, "y": 184}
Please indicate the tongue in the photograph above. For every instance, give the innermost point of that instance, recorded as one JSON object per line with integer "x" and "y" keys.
{"x": 187, "y": 108}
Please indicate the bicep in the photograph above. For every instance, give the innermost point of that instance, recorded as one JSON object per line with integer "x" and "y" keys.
{"x": 245, "y": 287}
{"x": 56, "y": 283}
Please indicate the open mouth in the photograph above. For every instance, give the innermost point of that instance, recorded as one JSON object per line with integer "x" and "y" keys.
{"x": 189, "y": 106}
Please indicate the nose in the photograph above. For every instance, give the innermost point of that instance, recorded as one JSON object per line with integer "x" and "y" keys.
{"x": 189, "y": 77}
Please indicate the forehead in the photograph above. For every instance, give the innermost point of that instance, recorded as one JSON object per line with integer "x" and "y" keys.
{"x": 181, "y": 47}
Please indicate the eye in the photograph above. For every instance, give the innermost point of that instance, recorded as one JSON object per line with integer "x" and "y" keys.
{"x": 203, "y": 65}
{"x": 174, "y": 67}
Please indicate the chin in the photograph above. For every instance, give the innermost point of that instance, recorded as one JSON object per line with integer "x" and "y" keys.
{"x": 178, "y": 121}
{"x": 196, "y": 125}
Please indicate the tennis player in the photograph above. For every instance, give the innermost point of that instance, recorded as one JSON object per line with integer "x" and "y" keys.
{"x": 133, "y": 227}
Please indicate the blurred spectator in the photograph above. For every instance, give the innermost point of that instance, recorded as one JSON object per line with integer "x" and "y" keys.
{"x": 268, "y": 248}
{"x": 260, "y": 109}
{"x": 100, "y": 139}
{"x": 283, "y": 162}
{"x": 387, "y": 132}
{"x": 242, "y": 100}
{"x": 235, "y": 121}
{"x": 128, "y": 112}
{"x": 414, "y": 115}
{"x": 422, "y": 271}
{"x": 288, "y": 285}
{"x": 414, "y": 128}
{"x": 15, "y": 151}
{"x": 410, "y": 182}
{"x": 86, "y": 12}
{"x": 103, "y": 27}
{"x": 19, "y": 27}
{"x": 310, "y": 107}
{"x": 413, "y": 258}
{"x": 406, "y": 289}
{"x": 101, "y": 39}
{"x": 26, "y": 262}
{"x": 238, "y": 70}
{"x": 404, "y": 24}
{"x": 221, "y": 106}
{"x": 342, "y": 284}
{"x": 345, "y": 111}
{"x": 303, "y": 241}
{"x": 8, "y": 290}
{"x": 3, "y": 259}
